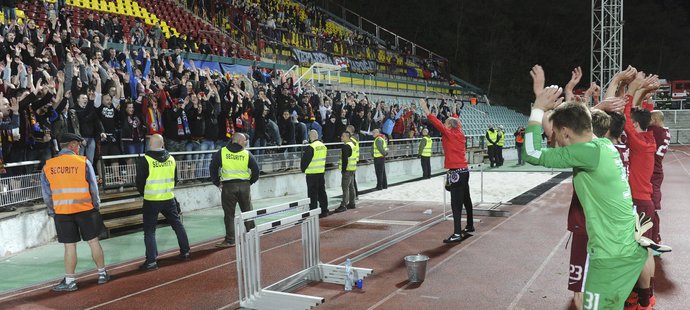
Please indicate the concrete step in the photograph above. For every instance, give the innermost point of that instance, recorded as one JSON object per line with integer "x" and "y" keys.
{"x": 122, "y": 207}
{"x": 126, "y": 224}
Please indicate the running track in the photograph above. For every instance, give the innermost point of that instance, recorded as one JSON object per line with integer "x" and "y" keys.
{"x": 517, "y": 262}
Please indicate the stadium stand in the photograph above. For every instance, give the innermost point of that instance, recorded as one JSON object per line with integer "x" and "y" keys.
{"x": 152, "y": 73}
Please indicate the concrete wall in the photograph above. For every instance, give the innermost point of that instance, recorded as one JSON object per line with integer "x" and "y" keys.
{"x": 35, "y": 228}
{"x": 26, "y": 230}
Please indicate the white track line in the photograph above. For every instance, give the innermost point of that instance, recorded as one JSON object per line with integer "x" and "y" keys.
{"x": 228, "y": 263}
{"x": 398, "y": 291}
{"x": 537, "y": 273}
{"x": 681, "y": 164}
{"x": 116, "y": 267}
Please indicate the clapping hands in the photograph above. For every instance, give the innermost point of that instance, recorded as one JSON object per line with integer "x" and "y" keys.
{"x": 549, "y": 98}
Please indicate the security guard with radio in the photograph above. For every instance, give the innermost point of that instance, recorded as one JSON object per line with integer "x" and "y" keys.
{"x": 425, "y": 145}
{"x": 70, "y": 192}
{"x": 156, "y": 179}
{"x": 233, "y": 169}
{"x": 313, "y": 164}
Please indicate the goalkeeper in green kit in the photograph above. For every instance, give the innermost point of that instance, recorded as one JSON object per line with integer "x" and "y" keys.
{"x": 615, "y": 257}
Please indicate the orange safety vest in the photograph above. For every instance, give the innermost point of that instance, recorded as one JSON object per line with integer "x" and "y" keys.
{"x": 520, "y": 139}
{"x": 67, "y": 177}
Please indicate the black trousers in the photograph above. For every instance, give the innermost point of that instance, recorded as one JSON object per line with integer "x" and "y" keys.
{"x": 426, "y": 167}
{"x": 459, "y": 196}
{"x": 169, "y": 210}
{"x": 493, "y": 158}
{"x": 316, "y": 190}
{"x": 499, "y": 155}
{"x": 380, "y": 168}
{"x": 519, "y": 153}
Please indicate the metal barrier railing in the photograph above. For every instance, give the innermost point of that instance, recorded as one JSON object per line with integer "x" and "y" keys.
{"x": 271, "y": 159}
{"x": 119, "y": 171}
{"x": 680, "y": 135}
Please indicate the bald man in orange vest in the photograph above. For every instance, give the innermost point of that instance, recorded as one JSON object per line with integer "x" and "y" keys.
{"x": 70, "y": 192}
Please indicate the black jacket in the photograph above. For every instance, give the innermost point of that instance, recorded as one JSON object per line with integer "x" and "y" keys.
{"x": 216, "y": 164}
{"x": 307, "y": 155}
{"x": 346, "y": 152}
{"x": 143, "y": 169}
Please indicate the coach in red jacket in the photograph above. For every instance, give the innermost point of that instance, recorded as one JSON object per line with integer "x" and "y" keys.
{"x": 458, "y": 175}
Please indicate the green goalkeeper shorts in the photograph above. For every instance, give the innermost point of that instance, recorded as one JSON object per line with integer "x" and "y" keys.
{"x": 609, "y": 281}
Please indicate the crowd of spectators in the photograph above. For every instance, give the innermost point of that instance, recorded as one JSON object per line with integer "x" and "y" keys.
{"x": 256, "y": 25}
{"x": 54, "y": 82}
{"x": 281, "y": 24}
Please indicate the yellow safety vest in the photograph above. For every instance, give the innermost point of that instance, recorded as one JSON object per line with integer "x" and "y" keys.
{"x": 67, "y": 177}
{"x": 161, "y": 181}
{"x": 378, "y": 154}
{"x": 352, "y": 160}
{"x": 235, "y": 166}
{"x": 356, "y": 148}
{"x": 502, "y": 139}
{"x": 493, "y": 136}
{"x": 318, "y": 162}
{"x": 426, "y": 151}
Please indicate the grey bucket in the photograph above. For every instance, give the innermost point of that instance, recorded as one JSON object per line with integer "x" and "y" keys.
{"x": 416, "y": 267}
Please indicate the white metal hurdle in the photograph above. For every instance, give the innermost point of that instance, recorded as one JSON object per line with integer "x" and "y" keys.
{"x": 248, "y": 248}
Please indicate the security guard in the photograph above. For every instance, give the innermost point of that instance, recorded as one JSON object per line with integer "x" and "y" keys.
{"x": 313, "y": 164}
{"x": 354, "y": 137}
{"x": 425, "y": 153}
{"x": 233, "y": 169}
{"x": 156, "y": 179}
{"x": 492, "y": 145}
{"x": 70, "y": 192}
{"x": 380, "y": 150}
{"x": 500, "y": 144}
{"x": 348, "y": 166}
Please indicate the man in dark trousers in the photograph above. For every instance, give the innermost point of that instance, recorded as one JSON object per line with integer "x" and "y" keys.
{"x": 348, "y": 166}
{"x": 233, "y": 169}
{"x": 156, "y": 179}
{"x": 354, "y": 137}
{"x": 492, "y": 145}
{"x": 519, "y": 141}
{"x": 458, "y": 175}
{"x": 380, "y": 150}
{"x": 499, "y": 145}
{"x": 313, "y": 164}
{"x": 425, "y": 153}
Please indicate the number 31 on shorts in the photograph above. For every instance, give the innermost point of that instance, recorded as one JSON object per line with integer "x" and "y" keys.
{"x": 591, "y": 301}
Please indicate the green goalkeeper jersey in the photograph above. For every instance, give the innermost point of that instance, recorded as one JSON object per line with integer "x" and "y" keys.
{"x": 601, "y": 186}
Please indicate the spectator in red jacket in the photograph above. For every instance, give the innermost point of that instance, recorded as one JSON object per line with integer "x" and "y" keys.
{"x": 458, "y": 175}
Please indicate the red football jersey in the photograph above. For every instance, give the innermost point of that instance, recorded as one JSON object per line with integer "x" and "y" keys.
{"x": 662, "y": 137}
{"x": 642, "y": 150}
{"x": 576, "y": 216}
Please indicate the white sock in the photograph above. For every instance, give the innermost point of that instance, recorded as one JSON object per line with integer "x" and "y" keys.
{"x": 101, "y": 270}
{"x": 69, "y": 279}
